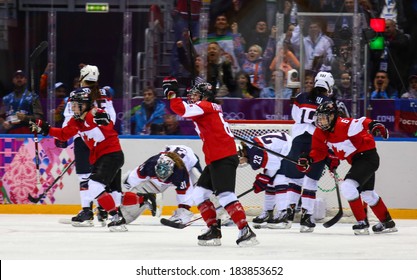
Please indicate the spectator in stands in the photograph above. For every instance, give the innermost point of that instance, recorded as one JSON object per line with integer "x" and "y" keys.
{"x": 412, "y": 89}
{"x": 288, "y": 60}
{"x": 219, "y": 70}
{"x": 317, "y": 47}
{"x": 382, "y": 89}
{"x": 184, "y": 58}
{"x": 20, "y": 106}
{"x": 181, "y": 24}
{"x": 221, "y": 28}
{"x": 254, "y": 62}
{"x": 309, "y": 81}
{"x": 171, "y": 125}
{"x": 259, "y": 36}
{"x": 398, "y": 53}
{"x": 391, "y": 9}
{"x": 245, "y": 89}
{"x": 269, "y": 91}
{"x": 344, "y": 90}
{"x": 343, "y": 60}
{"x": 149, "y": 115}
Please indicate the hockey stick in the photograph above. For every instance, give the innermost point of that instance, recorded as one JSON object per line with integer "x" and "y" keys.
{"x": 37, "y": 199}
{"x": 172, "y": 224}
{"x": 339, "y": 214}
{"x": 32, "y": 58}
{"x": 38, "y": 172}
{"x": 266, "y": 149}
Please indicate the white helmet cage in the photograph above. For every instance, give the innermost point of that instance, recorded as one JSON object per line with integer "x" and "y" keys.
{"x": 164, "y": 167}
{"x": 324, "y": 80}
{"x": 89, "y": 73}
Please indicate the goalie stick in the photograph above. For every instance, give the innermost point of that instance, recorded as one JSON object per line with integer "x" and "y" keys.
{"x": 339, "y": 214}
{"x": 172, "y": 224}
{"x": 32, "y": 58}
{"x": 37, "y": 199}
{"x": 266, "y": 149}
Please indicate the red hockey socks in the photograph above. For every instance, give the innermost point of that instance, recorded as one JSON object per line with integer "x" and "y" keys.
{"x": 380, "y": 210}
{"x": 208, "y": 212}
{"x": 357, "y": 209}
{"x": 237, "y": 214}
{"x": 130, "y": 198}
{"x": 107, "y": 202}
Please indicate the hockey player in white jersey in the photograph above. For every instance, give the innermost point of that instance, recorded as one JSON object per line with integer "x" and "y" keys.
{"x": 170, "y": 168}
{"x": 302, "y": 112}
{"x": 271, "y": 179}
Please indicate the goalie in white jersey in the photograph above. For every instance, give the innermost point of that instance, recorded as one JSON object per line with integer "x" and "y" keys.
{"x": 170, "y": 168}
{"x": 271, "y": 179}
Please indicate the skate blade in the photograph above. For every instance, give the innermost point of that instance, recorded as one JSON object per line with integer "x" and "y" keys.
{"x": 103, "y": 223}
{"x": 387, "y": 230}
{"x": 364, "y": 231}
{"x": 82, "y": 224}
{"x": 212, "y": 242}
{"x": 249, "y": 243}
{"x": 227, "y": 223}
{"x": 305, "y": 229}
{"x": 121, "y": 228}
{"x": 279, "y": 226}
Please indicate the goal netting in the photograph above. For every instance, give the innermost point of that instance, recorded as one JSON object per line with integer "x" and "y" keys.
{"x": 326, "y": 205}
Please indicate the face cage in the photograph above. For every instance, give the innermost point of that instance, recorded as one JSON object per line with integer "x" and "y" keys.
{"x": 319, "y": 121}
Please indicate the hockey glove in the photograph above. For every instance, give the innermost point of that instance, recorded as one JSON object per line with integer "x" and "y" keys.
{"x": 332, "y": 162}
{"x": 39, "y": 126}
{"x": 170, "y": 87}
{"x": 101, "y": 117}
{"x": 261, "y": 182}
{"x": 61, "y": 144}
{"x": 304, "y": 163}
{"x": 378, "y": 129}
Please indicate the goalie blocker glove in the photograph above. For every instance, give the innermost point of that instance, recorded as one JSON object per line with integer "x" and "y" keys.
{"x": 39, "y": 126}
{"x": 170, "y": 87}
{"x": 261, "y": 182}
{"x": 304, "y": 163}
{"x": 378, "y": 129}
{"x": 101, "y": 117}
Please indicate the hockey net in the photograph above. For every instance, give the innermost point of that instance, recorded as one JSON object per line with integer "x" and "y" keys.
{"x": 326, "y": 205}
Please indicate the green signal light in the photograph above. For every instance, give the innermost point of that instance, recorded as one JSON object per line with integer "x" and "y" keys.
{"x": 378, "y": 43}
{"x": 97, "y": 7}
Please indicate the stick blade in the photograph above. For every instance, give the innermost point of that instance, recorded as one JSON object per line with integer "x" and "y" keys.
{"x": 333, "y": 220}
{"x": 172, "y": 224}
{"x": 34, "y": 200}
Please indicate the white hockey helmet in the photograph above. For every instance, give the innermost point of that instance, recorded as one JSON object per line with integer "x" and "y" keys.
{"x": 324, "y": 80}
{"x": 89, "y": 73}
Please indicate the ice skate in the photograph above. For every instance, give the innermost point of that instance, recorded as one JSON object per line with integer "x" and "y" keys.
{"x": 385, "y": 227}
{"x": 85, "y": 218}
{"x": 118, "y": 223}
{"x": 361, "y": 228}
{"x": 212, "y": 237}
{"x": 280, "y": 222}
{"x": 263, "y": 218}
{"x": 101, "y": 216}
{"x": 246, "y": 237}
{"x": 181, "y": 215}
{"x": 307, "y": 222}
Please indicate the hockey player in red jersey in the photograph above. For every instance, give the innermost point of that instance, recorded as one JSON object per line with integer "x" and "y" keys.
{"x": 352, "y": 139}
{"x": 96, "y": 128}
{"x": 219, "y": 175}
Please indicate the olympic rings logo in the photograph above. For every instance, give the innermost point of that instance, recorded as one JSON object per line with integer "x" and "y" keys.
{"x": 233, "y": 115}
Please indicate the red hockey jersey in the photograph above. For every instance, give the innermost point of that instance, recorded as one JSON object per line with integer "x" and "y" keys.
{"x": 218, "y": 140}
{"x": 100, "y": 139}
{"x": 350, "y": 136}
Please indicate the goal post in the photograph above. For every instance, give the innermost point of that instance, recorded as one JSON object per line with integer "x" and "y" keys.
{"x": 326, "y": 205}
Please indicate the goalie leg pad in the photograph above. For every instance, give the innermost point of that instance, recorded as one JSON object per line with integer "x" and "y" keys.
{"x": 132, "y": 212}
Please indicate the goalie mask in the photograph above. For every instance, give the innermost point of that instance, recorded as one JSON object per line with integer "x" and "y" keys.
{"x": 80, "y": 101}
{"x": 164, "y": 167}
{"x": 326, "y": 116}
